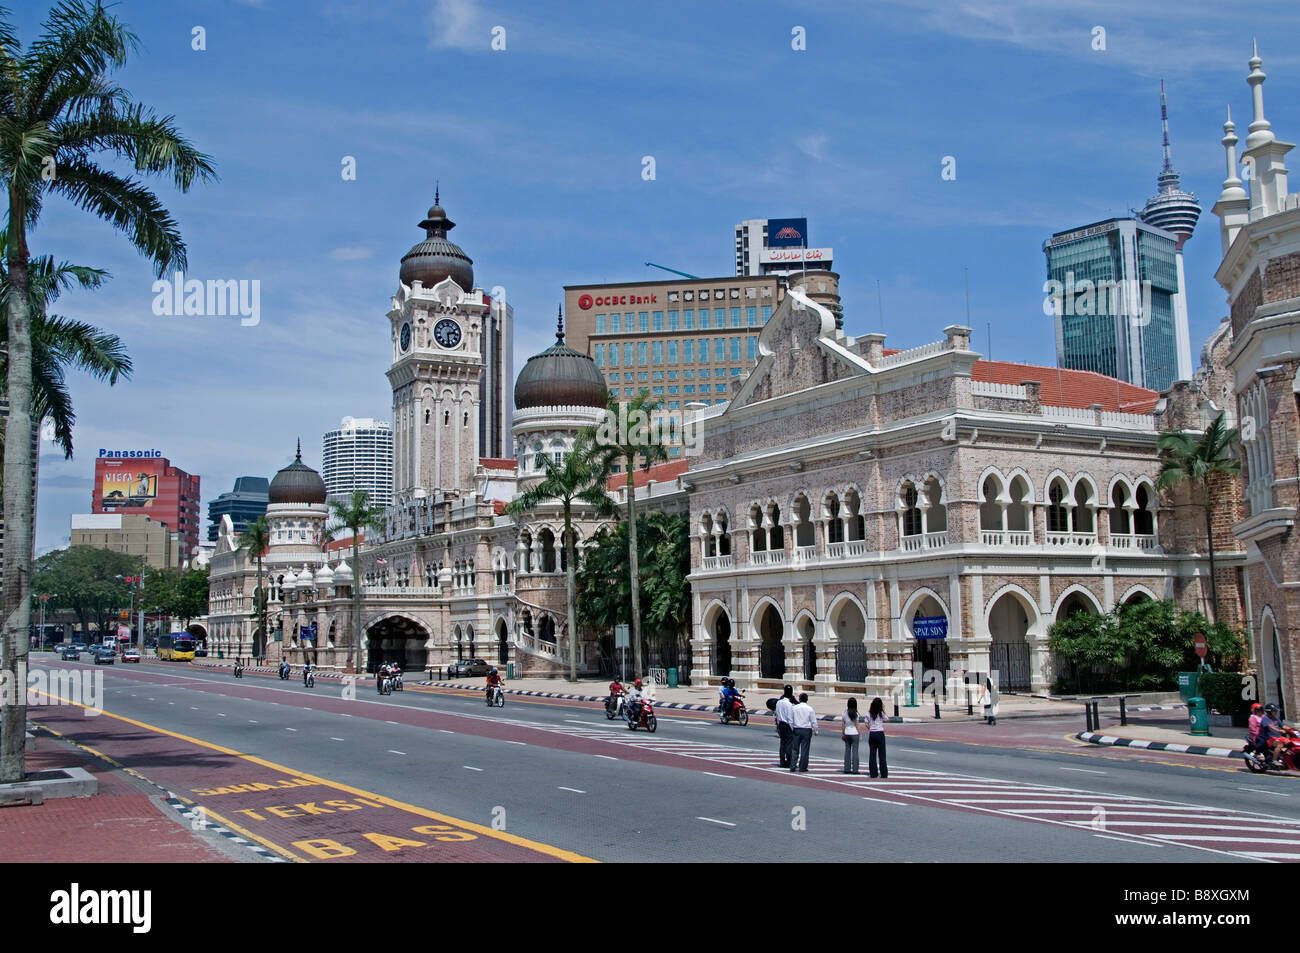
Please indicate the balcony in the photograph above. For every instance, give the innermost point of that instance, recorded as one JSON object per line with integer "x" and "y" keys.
{"x": 919, "y": 542}
{"x": 767, "y": 557}
{"x": 1072, "y": 540}
{"x": 856, "y": 547}
{"x": 717, "y": 562}
{"x": 1008, "y": 537}
{"x": 1144, "y": 542}
{"x": 805, "y": 554}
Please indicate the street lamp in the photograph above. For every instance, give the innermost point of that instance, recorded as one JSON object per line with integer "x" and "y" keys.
{"x": 134, "y": 582}
{"x": 40, "y": 630}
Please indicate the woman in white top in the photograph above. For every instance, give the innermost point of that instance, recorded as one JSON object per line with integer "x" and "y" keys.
{"x": 851, "y": 735}
{"x": 876, "y": 738}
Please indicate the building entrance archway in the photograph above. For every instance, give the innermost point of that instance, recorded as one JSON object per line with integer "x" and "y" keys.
{"x": 771, "y": 651}
{"x": 722, "y": 645}
{"x": 396, "y": 639}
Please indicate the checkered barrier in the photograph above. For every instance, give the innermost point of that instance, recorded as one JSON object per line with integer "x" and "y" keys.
{"x": 191, "y": 814}
{"x": 1097, "y": 738}
{"x": 272, "y": 670}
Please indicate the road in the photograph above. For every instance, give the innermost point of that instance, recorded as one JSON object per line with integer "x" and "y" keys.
{"x": 317, "y": 775}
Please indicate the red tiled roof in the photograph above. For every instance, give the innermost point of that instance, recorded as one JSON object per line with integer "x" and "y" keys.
{"x": 335, "y": 545}
{"x": 660, "y": 473}
{"x": 499, "y": 507}
{"x": 498, "y": 463}
{"x": 1066, "y": 388}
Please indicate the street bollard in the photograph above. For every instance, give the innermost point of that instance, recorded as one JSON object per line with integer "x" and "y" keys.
{"x": 1123, "y": 710}
{"x": 970, "y": 703}
{"x": 1087, "y": 717}
{"x": 895, "y": 706}
{"x": 936, "y": 706}
{"x": 1096, "y": 716}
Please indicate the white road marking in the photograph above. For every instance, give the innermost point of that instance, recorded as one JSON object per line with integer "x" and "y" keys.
{"x": 712, "y": 820}
{"x": 291, "y": 729}
{"x": 607, "y": 757}
{"x": 1266, "y": 791}
{"x": 390, "y": 722}
{"x": 252, "y": 722}
{"x": 192, "y": 708}
{"x": 391, "y": 751}
{"x": 336, "y": 739}
{"x": 517, "y": 743}
{"x": 470, "y": 767}
{"x": 1083, "y": 770}
{"x": 221, "y": 714}
{"x": 729, "y": 777}
{"x": 446, "y": 732}
{"x": 574, "y": 790}
{"x": 1127, "y": 840}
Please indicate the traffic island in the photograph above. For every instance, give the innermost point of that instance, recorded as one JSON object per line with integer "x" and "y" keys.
{"x": 1145, "y": 744}
{"x": 38, "y": 786}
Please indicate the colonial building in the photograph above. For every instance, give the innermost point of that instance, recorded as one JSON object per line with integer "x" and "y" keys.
{"x": 1260, "y": 271}
{"x": 857, "y": 510}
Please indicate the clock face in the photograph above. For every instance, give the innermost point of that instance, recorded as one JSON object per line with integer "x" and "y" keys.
{"x": 406, "y": 336}
{"x": 447, "y": 333}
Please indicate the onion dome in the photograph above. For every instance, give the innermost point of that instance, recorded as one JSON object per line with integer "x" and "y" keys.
{"x": 297, "y": 483}
{"x": 343, "y": 573}
{"x": 560, "y": 377}
{"x": 324, "y": 577}
{"x": 436, "y": 258}
{"x": 304, "y": 580}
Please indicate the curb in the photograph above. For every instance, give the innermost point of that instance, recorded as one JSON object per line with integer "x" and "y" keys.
{"x": 199, "y": 821}
{"x": 271, "y": 670}
{"x": 1096, "y": 738}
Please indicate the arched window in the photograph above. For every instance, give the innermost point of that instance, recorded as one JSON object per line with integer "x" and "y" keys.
{"x": 1085, "y": 502}
{"x": 1120, "y": 523}
{"x": 831, "y": 515}
{"x": 992, "y": 507}
{"x": 1058, "y": 514}
{"x": 708, "y": 543}
{"x": 757, "y": 530}
{"x": 547, "y": 539}
{"x": 857, "y": 524}
{"x": 805, "y": 534}
{"x": 911, "y": 511}
{"x": 1020, "y": 511}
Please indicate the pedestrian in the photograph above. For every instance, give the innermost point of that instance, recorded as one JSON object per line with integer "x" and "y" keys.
{"x": 851, "y": 736}
{"x": 990, "y": 700}
{"x": 803, "y": 723}
{"x": 876, "y": 738}
{"x": 784, "y": 709}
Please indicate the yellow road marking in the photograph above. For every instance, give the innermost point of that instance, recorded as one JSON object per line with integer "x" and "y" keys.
{"x": 251, "y": 836}
{"x": 547, "y": 849}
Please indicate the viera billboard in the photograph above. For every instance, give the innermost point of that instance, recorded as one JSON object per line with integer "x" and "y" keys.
{"x": 131, "y": 484}
{"x": 787, "y": 232}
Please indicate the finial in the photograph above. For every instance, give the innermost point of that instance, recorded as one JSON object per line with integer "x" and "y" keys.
{"x": 299, "y": 458}
{"x": 559, "y": 324}
{"x": 1261, "y": 131}
{"x": 437, "y": 185}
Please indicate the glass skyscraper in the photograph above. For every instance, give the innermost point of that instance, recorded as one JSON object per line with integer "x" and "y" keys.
{"x": 1112, "y": 287}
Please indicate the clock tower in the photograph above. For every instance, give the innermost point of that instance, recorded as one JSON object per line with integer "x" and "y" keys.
{"x": 437, "y": 319}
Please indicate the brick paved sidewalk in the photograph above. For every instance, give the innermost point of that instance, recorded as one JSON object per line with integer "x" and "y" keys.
{"x": 120, "y": 824}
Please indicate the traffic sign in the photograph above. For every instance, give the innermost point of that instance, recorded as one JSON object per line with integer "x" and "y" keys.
{"x": 621, "y": 640}
{"x": 1202, "y": 644}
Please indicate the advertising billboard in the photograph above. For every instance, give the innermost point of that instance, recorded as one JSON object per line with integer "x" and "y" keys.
{"x": 133, "y": 485}
{"x": 787, "y": 232}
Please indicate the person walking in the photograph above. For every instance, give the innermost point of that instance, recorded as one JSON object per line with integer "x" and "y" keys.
{"x": 851, "y": 736}
{"x": 784, "y": 710}
{"x": 876, "y": 738}
{"x": 990, "y": 701}
{"x": 803, "y": 722}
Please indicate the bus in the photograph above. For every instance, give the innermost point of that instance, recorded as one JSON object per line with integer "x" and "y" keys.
{"x": 175, "y": 647}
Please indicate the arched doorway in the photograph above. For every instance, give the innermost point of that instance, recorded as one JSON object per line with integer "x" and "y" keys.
{"x": 806, "y": 630}
{"x": 849, "y": 624}
{"x": 1009, "y": 621}
{"x": 771, "y": 652}
{"x": 1271, "y": 666}
{"x": 396, "y": 639}
{"x": 927, "y": 623}
{"x": 721, "y": 644}
{"x": 503, "y": 643}
{"x": 469, "y": 642}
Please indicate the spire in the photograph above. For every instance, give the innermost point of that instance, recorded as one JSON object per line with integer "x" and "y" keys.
{"x": 1164, "y": 126}
{"x": 1261, "y": 131}
{"x": 437, "y": 185}
{"x": 1232, "y": 184}
{"x": 298, "y": 458}
{"x": 559, "y": 324}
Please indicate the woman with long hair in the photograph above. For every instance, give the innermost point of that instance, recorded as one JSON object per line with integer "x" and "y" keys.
{"x": 851, "y": 735}
{"x": 876, "y": 738}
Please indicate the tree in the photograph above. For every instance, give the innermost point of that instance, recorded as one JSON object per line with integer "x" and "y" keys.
{"x": 668, "y": 565}
{"x": 579, "y": 477}
{"x": 604, "y": 596}
{"x": 87, "y": 581}
{"x": 628, "y": 443}
{"x": 357, "y": 514}
{"x": 182, "y": 596}
{"x": 255, "y": 540}
{"x": 59, "y": 112}
{"x": 59, "y": 343}
{"x": 1198, "y": 460}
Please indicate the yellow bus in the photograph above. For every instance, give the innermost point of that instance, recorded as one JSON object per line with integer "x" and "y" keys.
{"x": 175, "y": 647}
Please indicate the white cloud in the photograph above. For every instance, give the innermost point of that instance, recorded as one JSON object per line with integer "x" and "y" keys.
{"x": 458, "y": 24}
{"x": 354, "y": 253}
{"x": 814, "y": 146}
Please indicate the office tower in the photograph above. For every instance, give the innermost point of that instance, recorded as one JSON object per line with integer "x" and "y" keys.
{"x": 778, "y": 246}
{"x": 244, "y": 504}
{"x": 359, "y": 456}
{"x": 144, "y": 482}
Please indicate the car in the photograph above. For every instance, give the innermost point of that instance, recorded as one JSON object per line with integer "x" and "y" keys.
{"x": 131, "y": 655}
{"x": 105, "y": 656}
{"x": 70, "y": 653}
{"x": 468, "y": 666}
{"x": 200, "y": 653}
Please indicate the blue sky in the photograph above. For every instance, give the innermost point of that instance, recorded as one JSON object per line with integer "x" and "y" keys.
{"x": 538, "y": 149}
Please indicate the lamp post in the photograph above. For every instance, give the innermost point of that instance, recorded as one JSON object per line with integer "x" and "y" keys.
{"x": 134, "y": 582}
{"x": 40, "y": 629}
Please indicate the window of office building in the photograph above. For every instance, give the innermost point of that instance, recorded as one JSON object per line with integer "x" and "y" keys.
{"x": 674, "y": 389}
{"x": 719, "y": 349}
{"x": 704, "y": 319}
{"x": 704, "y": 349}
{"x": 642, "y": 376}
{"x": 735, "y": 371}
{"x": 705, "y": 372}
{"x": 613, "y": 354}
{"x": 735, "y": 349}
{"x": 629, "y": 321}
{"x": 658, "y": 320}
{"x": 672, "y": 352}
{"x": 719, "y": 317}
{"x": 600, "y": 355}
{"x": 641, "y": 353}
{"x": 673, "y": 375}
{"x": 688, "y": 351}
{"x": 627, "y": 353}
{"x": 689, "y": 373}
{"x": 767, "y": 313}
{"x": 658, "y": 352}
{"x": 688, "y": 389}
{"x": 600, "y": 324}
{"x": 688, "y": 319}
{"x": 735, "y": 317}
{"x": 614, "y": 323}
{"x": 674, "y": 404}
{"x": 751, "y": 316}
{"x": 751, "y": 347}
{"x": 627, "y": 392}
{"x": 657, "y": 375}
{"x": 658, "y": 391}
{"x": 672, "y": 320}
{"x": 643, "y": 320}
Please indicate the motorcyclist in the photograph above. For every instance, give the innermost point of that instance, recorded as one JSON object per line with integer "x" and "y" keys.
{"x": 493, "y": 683}
{"x": 239, "y": 668}
{"x": 1252, "y": 736}
{"x": 729, "y": 696}
{"x": 1269, "y": 732}
{"x": 284, "y": 668}
{"x": 634, "y": 698}
{"x": 385, "y": 671}
{"x": 615, "y": 689}
{"x": 306, "y": 671}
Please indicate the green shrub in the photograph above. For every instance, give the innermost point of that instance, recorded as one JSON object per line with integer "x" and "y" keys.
{"x": 1222, "y": 693}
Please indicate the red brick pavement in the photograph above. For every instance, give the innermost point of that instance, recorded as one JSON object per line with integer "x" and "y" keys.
{"x": 121, "y": 824}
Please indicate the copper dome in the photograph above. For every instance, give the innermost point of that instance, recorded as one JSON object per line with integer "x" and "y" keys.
{"x": 297, "y": 483}
{"x": 560, "y": 377}
{"x": 436, "y": 258}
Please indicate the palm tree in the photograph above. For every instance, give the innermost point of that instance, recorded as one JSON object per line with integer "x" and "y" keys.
{"x": 356, "y": 514}
{"x": 59, "y": 343}
{"x": 626, "y": 444}
{"x": 1199, "y": 460}
{"x": 58, "y": 113}
{"x": 578, "y": 478}
{"x": 256, "y": 539}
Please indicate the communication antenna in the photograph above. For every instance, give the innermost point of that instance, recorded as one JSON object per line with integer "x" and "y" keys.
{"x": 881, "y": 302}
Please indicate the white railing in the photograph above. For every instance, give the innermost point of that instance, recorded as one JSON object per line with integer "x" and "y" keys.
{"x": 835, "y": 550}
{"x": 759, "y": 557}
{"x": 1146, "y": 542}
{"x": 717, "y": 562}
{"x": 857, "y": 547}
{"x": 775, "y": 556}
{"x": 1018, "y": 537}
{"x": 1144, "y": 422}
{"x": 914, "y": 544}
{"x": 805, "y": 554}
{"x": 1080, "y": 415}
{"x": 1072, "y": 539}
{"x": 934, "y": 347}
{"x": 401, "y": 590}
{"x": 991, "y": 389}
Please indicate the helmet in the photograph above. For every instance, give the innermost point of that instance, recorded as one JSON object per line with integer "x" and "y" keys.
{"x": 1256, "y": 707}
{"x": 1270, "y": 708}
{"x": 493, "y": 672}
{"x": 637, "y": 683}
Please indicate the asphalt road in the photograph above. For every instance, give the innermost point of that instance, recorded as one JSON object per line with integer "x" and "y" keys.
{"x": 316, "y": 775}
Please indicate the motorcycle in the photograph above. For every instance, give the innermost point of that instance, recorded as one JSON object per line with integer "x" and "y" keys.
{"x": 614, "y": 706}
{"x": 385, "y": 684}
{"x": 308, "y": 680}
{"x": 496, "y": 698}
{"x": 1285, "y": 757}
{"x": 739, "y": 714}
{"x": 397, "y": 681}
{"x": 285, "y": 672}
{"x": 644, "y": 719}
{"x": 239, "y": 670}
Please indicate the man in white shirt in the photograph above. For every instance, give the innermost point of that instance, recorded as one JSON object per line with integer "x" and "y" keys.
{"x": 784, "y": 709}
{"x": 803, "y": 723}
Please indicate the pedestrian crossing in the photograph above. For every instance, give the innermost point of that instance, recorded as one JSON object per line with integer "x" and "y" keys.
{"x": 1135, "y": 819}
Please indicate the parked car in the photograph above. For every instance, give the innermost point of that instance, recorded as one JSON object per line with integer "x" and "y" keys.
{"x": 200, "y": 653}
{"x": 105, "y": 655}
{"x": 131, "y": 655}
{"x": 70, "y": 653}
{"x": 468, "y": 666}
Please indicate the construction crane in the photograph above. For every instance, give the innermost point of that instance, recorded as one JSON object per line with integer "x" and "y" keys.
{"x": 651, "y": 264}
